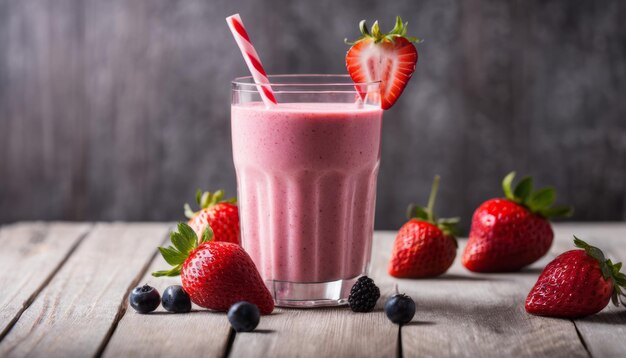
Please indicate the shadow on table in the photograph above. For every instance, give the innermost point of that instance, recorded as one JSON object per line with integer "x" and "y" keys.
{"x": 531, "y": 270}
{"x": 193, "y": 311}
{"x": 419, "y": 323}
{"x": 263, "y": 331}
{"x": 613, "y": 317}
{"x": 457, "y": 277}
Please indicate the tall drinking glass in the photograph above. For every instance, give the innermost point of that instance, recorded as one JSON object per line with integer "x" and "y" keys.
{"x": 306, "y": 179}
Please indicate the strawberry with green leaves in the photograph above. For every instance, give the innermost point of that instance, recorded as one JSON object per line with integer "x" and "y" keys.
{"x": 510, "y": 233}
{"x": 215, "y": 211}
{"x": 577, "y": 283}
{"x": 386, "y": 57}
{"x": 215, "y": 274}
{"x": 425, "y": 246}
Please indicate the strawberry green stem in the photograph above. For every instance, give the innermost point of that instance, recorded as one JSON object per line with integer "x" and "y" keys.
{"x": 537, "y": 201}
{"x": 610, "y": 271}
{"x": 184, "y": 242}
{"x": 430, "y": 208}
{"x": 206, "y": 200}
{"x": 378, "y": 36}
{"x": 416, "y": 212}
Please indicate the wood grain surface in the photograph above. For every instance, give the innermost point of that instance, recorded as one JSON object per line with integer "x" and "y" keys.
{"x": 200, "y": 333}
{"x": 109, "y": 100}
{"x": 73, "y": 315}
{"x": 81, "y": 275}
{"x": 330, "y": 332}
{"x": 30, "y": 256}
{"x": 603, "y": 334}
{"x": 485, "y": 312}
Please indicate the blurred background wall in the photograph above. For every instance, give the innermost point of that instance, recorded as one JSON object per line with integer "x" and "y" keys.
{"x": 119, "y": 110}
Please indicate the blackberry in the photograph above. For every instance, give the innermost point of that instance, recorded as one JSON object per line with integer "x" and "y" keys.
{"x": 363, "y": 295}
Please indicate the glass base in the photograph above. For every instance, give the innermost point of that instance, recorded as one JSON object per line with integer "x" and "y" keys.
{"x": 308, "y": 295}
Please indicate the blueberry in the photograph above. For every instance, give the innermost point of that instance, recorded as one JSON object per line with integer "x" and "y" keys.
{"x": 244, "y": 316}
{"x": 144, "y": 299}
{"x": 176, "y": 300}
{"x": 400, "y": 309}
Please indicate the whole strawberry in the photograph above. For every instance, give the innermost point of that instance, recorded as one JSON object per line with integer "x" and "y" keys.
{"x": 215, "y": 274}
{"x": 510, "y": 233}
{"x": 221, "y": 215}
{"x": 389, "y": 58}
{"x": 425, "y": 246}
{"x": 577, "y": 283}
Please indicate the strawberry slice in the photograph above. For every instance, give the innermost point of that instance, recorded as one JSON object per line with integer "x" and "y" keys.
{"x": 389, "y": 58}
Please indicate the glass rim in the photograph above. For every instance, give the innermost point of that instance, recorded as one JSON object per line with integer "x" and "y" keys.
{"x": 326, "y": 81}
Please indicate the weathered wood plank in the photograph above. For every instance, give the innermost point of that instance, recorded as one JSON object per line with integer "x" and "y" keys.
{"x": 31, "y": 254}
{"x": 459, "y": 314}
{"x": 462, "y": 314}
{"x": 200, "y": 333}
{"x": 74, "y": 313}
{"x": 603, "y": 333}
{"x": 332, "y": 332}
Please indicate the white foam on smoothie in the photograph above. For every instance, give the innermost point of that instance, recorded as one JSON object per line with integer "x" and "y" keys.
{"x": 311, "y": 107}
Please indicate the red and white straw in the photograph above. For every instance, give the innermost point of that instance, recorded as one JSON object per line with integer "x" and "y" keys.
{"x": 252, "y": 59}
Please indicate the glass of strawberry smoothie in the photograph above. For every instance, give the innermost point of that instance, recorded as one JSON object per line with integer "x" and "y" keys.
{"x": 306, "y": 177}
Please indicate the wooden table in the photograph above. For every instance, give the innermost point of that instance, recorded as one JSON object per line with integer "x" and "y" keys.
{"x": 64, "y": 288}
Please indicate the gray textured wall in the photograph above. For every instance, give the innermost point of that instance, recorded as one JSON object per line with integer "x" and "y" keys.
{"x": 120, "y": 109}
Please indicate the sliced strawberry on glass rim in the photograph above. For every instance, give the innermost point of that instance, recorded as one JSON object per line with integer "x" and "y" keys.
{"x": 389, "y": 58}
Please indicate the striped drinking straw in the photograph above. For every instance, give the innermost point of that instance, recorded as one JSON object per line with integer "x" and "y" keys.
{"x": 252, "y": 59}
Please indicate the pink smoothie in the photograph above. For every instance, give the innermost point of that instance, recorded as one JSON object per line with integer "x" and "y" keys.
{"x": 306, "y": 175}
